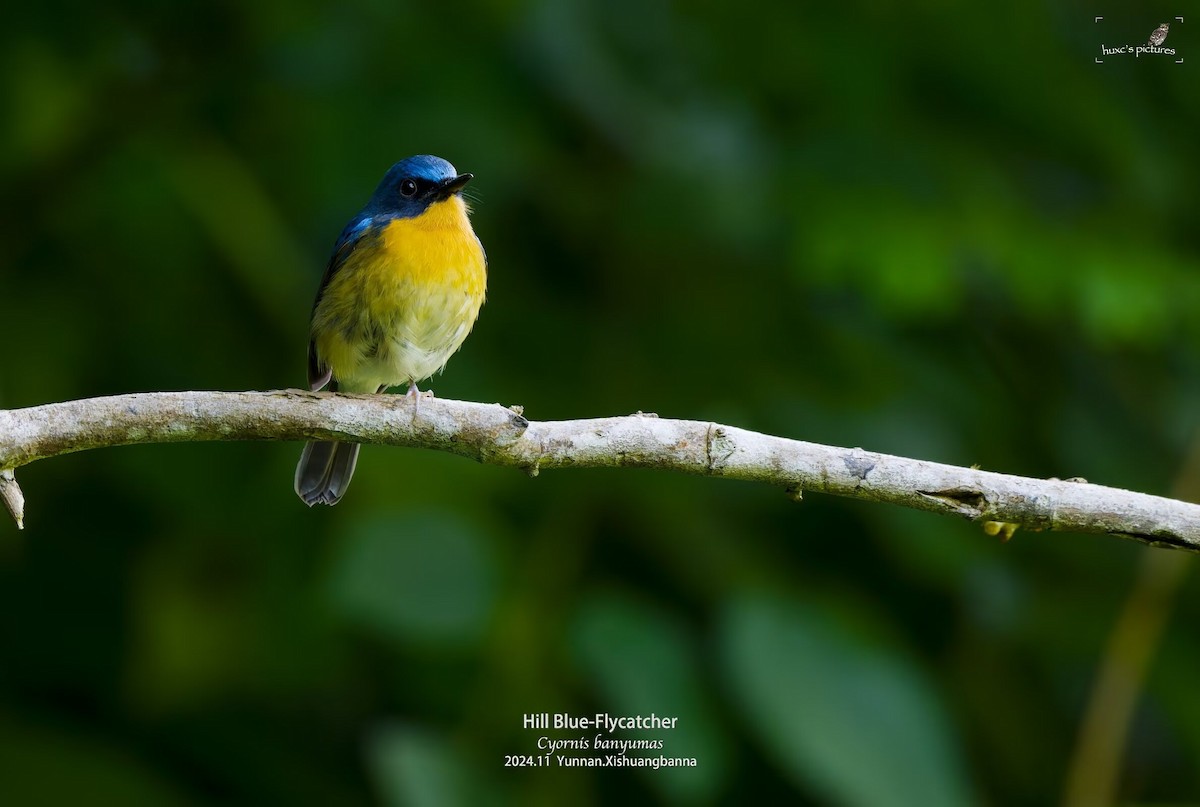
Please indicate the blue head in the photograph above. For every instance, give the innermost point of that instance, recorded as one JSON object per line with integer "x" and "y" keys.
{"x": 412, "y": 185}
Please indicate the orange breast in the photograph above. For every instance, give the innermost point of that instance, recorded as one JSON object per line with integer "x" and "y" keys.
{"x": 397, "y": 310}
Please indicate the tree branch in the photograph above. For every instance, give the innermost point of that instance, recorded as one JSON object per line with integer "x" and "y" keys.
{"x": 495, "y": 435}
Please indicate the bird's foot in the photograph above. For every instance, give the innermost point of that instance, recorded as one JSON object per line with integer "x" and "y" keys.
{"x": 415, "y": 393}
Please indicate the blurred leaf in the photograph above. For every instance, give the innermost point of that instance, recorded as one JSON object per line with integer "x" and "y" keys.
{"x": 852, "y": 722}
{"x": 413, "y": 767}
{"x": 425, "y": 576}
{"x": 641, "y": 660}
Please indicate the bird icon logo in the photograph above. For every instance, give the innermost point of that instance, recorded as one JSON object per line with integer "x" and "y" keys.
{"x": 1159, "y": 35}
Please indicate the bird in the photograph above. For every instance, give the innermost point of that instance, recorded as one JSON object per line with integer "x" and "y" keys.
{"x": 400, "y": 294}
{"x": 1159, "y": 35}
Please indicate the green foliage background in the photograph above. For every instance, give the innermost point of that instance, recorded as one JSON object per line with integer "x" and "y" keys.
{"x": 935, "y": 231}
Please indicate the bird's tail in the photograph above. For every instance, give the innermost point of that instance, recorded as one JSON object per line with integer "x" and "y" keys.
{"x": 324, "y": 471}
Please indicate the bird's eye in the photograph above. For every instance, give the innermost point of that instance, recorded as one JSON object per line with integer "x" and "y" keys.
{"x": 408, "y": 188}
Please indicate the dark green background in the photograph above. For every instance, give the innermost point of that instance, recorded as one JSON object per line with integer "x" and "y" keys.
{"x": 937, "y": 231}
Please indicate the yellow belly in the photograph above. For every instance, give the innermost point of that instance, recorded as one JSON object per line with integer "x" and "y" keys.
{"x": 401, "y": 305}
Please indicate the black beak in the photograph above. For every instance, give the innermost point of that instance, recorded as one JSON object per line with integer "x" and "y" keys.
{"x": 449, "y": 187}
